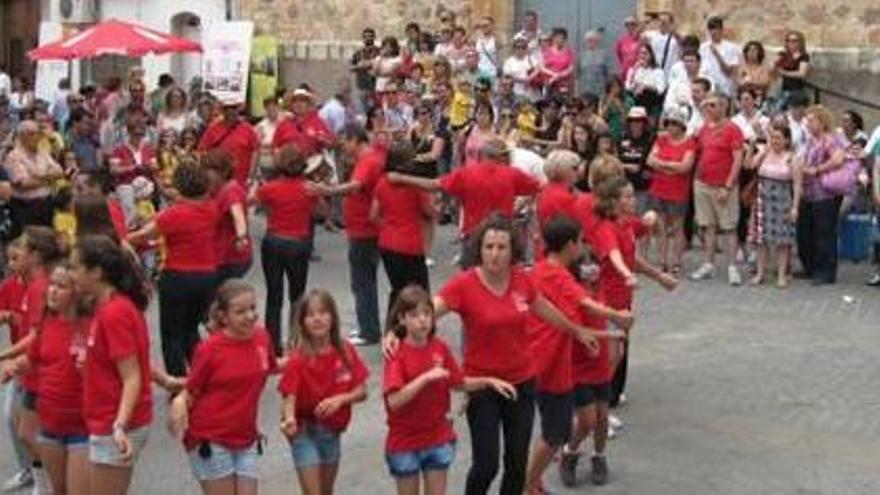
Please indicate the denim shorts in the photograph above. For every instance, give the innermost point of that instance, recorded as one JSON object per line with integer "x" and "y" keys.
{"x": 102, "y": 448}
{"x": 223, "y": 462}
{"x": 314, "y": 445}
{"x": 74, "y": 441}
{"x": 406, "y": 464}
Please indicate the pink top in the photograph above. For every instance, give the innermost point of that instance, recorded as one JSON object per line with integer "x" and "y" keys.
{"x": 627, "y": 51}
{"x": 776, "y": 166}
{"x": 558, "y": 60}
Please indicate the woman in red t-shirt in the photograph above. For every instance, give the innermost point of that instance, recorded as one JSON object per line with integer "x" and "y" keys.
{"x": 672, "y": 160}
{"x": 186, "y": 284}
{"x": 232, "y": 241}
{"x": 216, "y": 414}
{"x": 618, "y": 262}
{"x": 323, "y": 377}
{"x": 117, "y": 396}
{"x": 494, "y": 300}
{"x": 416, "y": 385}
{"x": 56, "y": 355}
{"x": 400, "y": 212}
{"x": 287, "y": 246}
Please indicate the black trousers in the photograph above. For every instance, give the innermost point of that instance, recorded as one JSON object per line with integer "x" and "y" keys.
{"x": 817, "y": 238}
{"x": 488, "y": 414}
{"x": 283, "y": 258}
{"x": 237, "y": 270}
{"x": 184, "y": 299}
{"x": 402, "y": 270}
{"x": 30, "y": 212}
{"x": 618, "y": 381}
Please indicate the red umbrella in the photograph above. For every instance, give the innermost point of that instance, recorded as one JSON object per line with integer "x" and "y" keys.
{"x": 114, "y": 37}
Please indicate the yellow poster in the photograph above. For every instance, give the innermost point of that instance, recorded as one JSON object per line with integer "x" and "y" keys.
{"x": 264, "y": 72}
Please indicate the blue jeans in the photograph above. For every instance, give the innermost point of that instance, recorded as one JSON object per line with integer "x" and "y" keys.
{"x": 363, "y": 264}
{"x": 283, "y": 257}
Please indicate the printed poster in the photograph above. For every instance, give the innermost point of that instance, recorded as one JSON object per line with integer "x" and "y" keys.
{"x": 226, "y": 55}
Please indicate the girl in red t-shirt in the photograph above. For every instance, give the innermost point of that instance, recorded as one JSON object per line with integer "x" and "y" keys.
{"x": 216, "y": 414}
{"x": 615, "y": 248}
{"x": 323, "y": 377}
{"x": 232, "y": 241}
{"x": 416, "y": 385}
{"x": 57, "y": 354}
{"x": 117, "y": 396}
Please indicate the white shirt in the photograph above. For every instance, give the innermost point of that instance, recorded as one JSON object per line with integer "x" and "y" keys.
{"x": 649, "y": 78}
{"x": 745, "y": 125}
{"x": 732, "y": 55}
{"x": 657, "y": 41}
{"x": 529, "y": 162}
{"x": 695, "y": 123}
{"x": 799, "y": 134}
{"x": 487, "y": 48}
{"x": 873, "y": 140}
{"x": 333, "y": 114}
{"x": 5, "y": 83}
{"x": 518, "y": 69}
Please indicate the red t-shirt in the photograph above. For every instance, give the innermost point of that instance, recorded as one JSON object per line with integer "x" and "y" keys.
{"x": 496, "y": 333}
{"x": 485, "y": 188}
{"x": 311, "y": 379}
{"x": 189, "y": 228}
{"x": 551, "y": 346}
{"x": 240, "y": 141}
{"x": 58, "y": 354}
{"x": 140, "y": 161}
{"x": 717, "y": 147}
{"x": 12, "y": 291}
{"x": 33, "y": 309}
{"x": 230, "y": 194}
{"x": 308, "y": 133}
{"x": 356, "y": 206}
{"x": 667, "y": 186}
{"x": 226, "y": 380}
{"x": 589, "y": 369}
{"x": 586, "y": 208}
{"x": 402, "y": 218}
{"x": 422, "y": 422}
{"x": 118, "y": 331}
{"x": 617, "y": 235}
{"x": 555, "y": 199}
{"x": 117, "y": 216}
{"x": 290, "y": 207}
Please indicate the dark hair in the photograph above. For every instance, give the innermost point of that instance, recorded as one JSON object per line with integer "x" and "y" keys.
{"x": 559, "y": 31}
{"x": 408, "y": 299}
{"x": 427, "y": 39}
{"x": 856, "y": 118}
{"x": 298, "y": 339}
{"x": 785, "y": 131}
{"x": 224, "y": 295}
{"x": 690, "y": 42}
{"x": 391, "y": 42}
{"x": 118, "y": 268}
{"x": 615, "y": 79}
{"x": 356, "y": 132}
{"x": 459, "y": 29}
{"x": 746, "y": 89}
{"x": 220, "y": 161}
{"x": 798, "y": 99}
{"x": 691, "y": 53}
{"x": 715, "y": 22}
{"x": 558, "y": 232}
{"x": 704, "y": 82}
{"x": 291, "y": 163}
{"x": 607, "y": 193}
{"x": 93, "y": 216}
{"x": 498, "y": 223}
{"x": 400, "y": 157}
{"x": 165, "y": 80}
{"x": 270, "y": 100}
{"x": 191, "y": 180}
{"x": 755, "y": 44}
{"x": 652, "y": 58}
{"x": 63, "y": 197}
{"x": 43, "y": 241}
{"x": 413, "y": 25}
{"x": 484, "y": 105}
{"x": 101, "y": 179}
{"x": 78, "y": 115}
{"x": 171, "y": 92}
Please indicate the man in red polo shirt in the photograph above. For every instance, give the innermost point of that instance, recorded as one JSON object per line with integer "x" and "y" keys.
{"x": 716, "y": 187}
{"x": 235, "y": 135}
{"x": 304, "y": 127}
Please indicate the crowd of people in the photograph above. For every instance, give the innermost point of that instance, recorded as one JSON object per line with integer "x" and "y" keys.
{"x": 566, "y": 169}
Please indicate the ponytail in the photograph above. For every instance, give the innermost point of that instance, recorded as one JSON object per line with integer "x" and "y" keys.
{"x": 119, "y": 268}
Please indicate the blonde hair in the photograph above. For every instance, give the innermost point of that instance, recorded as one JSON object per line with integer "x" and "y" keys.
{"x": 823, "y": 115}
{"x": 602, "y": 169}
{"x": 557, "y": 161}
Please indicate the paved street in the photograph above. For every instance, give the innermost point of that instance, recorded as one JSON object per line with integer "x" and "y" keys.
{"x": 732, "y": 391}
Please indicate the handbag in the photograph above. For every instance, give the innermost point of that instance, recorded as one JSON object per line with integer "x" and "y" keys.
{"x": 842, "y": 181}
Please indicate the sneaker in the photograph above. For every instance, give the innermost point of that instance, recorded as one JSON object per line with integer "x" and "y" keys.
{"x": 612, "y": 432}
{"x": 19, "y": 480}
{"x": 568, "y": 467}
{"x": 733, "y": 276}
{"x": 599, "y": 473}
{"x": 705, "y": 271}
{"x": 621, "y": 400}
{"x": 41, "y": 482}
{"x": 360, "y": 341}
{"x": 874, "y": 280}
{"x": 429, "y": 262}
{"x": 614, "y": 422}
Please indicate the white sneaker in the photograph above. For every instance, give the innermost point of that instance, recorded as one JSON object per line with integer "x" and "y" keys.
{"x": 41, "y": 482}
{"x": 733, "y": 276}
{"x": 614, "y": 422}
{"x": 621, "y": 400}
{"x": 705, "y": 271}
{"x": 611, "y": 432}
{"x": 19, "y": 480}
{"x": 429, "y": 262}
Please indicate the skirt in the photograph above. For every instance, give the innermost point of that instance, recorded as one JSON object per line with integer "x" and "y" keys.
{"x": 772, "y": 225}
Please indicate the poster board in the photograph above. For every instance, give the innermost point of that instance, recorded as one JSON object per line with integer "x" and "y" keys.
{"x": 226, "y": 54}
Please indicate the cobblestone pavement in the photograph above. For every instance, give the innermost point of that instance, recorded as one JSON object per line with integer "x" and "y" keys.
{"x": 732, "y": 391}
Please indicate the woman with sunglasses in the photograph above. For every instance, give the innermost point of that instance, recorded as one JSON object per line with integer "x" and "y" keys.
{"x": 793, "y": 66}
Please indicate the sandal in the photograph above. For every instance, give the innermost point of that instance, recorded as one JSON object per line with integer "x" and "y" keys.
{"x": 757, "y": 280}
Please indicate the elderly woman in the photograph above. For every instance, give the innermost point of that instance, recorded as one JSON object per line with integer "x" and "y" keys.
{"x": 818, "y": 215}
{"x": 31, "y": 172}
{"x": 558, "y": 197}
